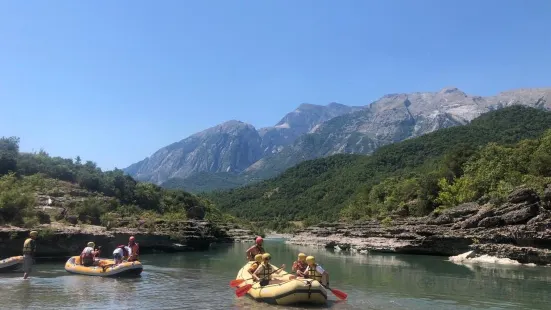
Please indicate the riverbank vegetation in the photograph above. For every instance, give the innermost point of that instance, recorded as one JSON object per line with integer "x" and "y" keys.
{"x": 80, "y": 192}
{"x": 482, "y": 160}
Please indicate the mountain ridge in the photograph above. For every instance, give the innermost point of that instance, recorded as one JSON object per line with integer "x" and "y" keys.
{"x": 232, "y": 146}
{"x": 313, "y": 131}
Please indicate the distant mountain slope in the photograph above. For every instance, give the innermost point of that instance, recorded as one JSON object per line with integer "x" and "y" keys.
{"x": 313, "y": 131}
{"x": 305, "y": 118}
{"x": 230, "y": 147}
{"x": 320, "y": 188}
{"x": 391, "y": 119}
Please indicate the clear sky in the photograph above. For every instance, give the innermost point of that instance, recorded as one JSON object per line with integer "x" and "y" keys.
{"x": 113, "y": 81}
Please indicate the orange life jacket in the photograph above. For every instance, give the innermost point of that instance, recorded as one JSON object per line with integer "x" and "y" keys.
{"x": 135, "y": 251}
{"x": 253, "y": 267}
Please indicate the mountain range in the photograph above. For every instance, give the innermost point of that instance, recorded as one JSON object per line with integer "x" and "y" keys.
{"x": 235, "y": 153}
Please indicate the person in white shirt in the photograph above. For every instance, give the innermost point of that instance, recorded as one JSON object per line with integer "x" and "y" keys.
{"x": 316, "y": 272}
{"x": 89, "y": 254}
{"x": 120, "y": 253}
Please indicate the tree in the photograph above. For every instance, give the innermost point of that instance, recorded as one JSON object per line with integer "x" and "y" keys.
{"x": 9, "y": 151}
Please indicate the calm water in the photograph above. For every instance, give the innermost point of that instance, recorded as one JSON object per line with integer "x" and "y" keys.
{"x": 200, "y": 281}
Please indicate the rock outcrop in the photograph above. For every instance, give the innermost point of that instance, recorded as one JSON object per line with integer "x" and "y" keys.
{"x": 519, "y": 229}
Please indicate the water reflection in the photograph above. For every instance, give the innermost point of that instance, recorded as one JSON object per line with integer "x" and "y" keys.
{"x": 200, "y": 280}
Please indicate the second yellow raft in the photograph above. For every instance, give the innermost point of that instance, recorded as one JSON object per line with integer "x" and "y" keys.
{"x": 284, "y": 290}
{"x": 11, "y": 263}
{"x": 105, "y": 268}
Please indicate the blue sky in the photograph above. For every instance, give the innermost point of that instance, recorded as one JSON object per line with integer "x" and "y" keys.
{"x": 113, "y": 81}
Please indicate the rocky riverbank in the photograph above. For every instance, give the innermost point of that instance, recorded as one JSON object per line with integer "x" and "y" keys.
{"x": 58, "y": 240}
{"x": 519, "y": 229}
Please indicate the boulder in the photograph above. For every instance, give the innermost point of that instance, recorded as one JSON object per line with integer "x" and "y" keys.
{"x": 463, "y": 209}
{"x": 72, "y": 219}
{"x": 472, "y": 222}
{"x": 441, "y": 220}
{"x": 523, "y": 194}
{"x": 492, "y": 221}
{"x": 196, "y": 213}
{"x": 521, "y": 215}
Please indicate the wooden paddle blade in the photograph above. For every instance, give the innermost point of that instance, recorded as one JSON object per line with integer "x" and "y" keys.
{"x": 240, "y": 292}
{"x": 340, "y": 294}
{"x": 236, "y": 283}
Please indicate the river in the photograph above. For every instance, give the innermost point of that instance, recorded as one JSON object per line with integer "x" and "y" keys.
{"x": 199, "y": 280}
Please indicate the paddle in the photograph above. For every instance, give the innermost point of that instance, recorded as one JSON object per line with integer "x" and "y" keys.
{"x": 237, "y": 282}
{"x": 340, "y": 294}
{"x": 243, "y": 290}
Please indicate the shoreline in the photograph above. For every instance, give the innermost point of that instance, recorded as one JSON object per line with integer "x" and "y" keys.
{"x": 57, "y": 241}
{"x": 519, "y": 230}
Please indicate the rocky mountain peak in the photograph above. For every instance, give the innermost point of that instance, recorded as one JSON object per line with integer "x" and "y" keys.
{"x": 312, "y": 131}
{"x": 451, "y": 90}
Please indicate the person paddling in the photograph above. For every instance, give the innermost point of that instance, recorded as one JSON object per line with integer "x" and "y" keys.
{"x": 300, "y": 265}
{"x": 89, "y": 254}
{"x": 120, "y": 253}
{"x": 315, "y": 271}
{"x": 135, "y": 247}
{"x": 255, "y": 249}
{"x": 29, "y": 251}
{"x": 264, "y": 272}
{"x": 258, "y": 261}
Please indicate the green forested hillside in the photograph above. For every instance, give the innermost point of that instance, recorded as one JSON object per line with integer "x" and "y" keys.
{"x": 93, "y": 196}
{"x": 205, "y": 181}
{"x": 414, "y": 176}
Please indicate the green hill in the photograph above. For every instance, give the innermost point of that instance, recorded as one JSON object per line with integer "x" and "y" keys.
{"x": 84, "y": 193}
{"x": 354, "y": 186}
{"x": 205, "y": 182}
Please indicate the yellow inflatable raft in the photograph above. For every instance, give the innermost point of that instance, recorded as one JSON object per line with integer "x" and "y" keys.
{"x": 11, "y": 263}
{"x": 284, "y": 290}
{"x": 105, "y": 268}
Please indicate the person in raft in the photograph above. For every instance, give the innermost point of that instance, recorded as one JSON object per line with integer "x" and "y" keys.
{"x": 89, "y": 254}
{"x": 29, "y": 251}
{"x": 264, "y": 271}
{"x": 258, "y": 261}
{"x": 135, "y": 249}
{"x": 300, "y": 265}
{"x": 255, "y": 249}
{"x": 120, "y": 253}
{"x": 315, "y": 271}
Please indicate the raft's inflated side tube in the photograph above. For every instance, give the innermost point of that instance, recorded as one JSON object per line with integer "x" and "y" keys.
{"x": 11, "y": 263}
{"x": 106, "y": 268}
{"x": 285, "y": 291}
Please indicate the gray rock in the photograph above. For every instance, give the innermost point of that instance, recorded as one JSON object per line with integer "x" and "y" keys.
{"x": 440, "y": 220}
{"x": 492, "y": 221}
{"x": 463, "y": 209}
{"x": 483, "y": 213}
{"x": 526, "y": 195}
{"x": 521, "y": 215}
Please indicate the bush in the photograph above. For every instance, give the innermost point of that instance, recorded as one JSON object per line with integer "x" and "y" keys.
{"x": 43, "y": 217}
{"x": 16, "y": 199}
{"x": 89, "y": 211}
